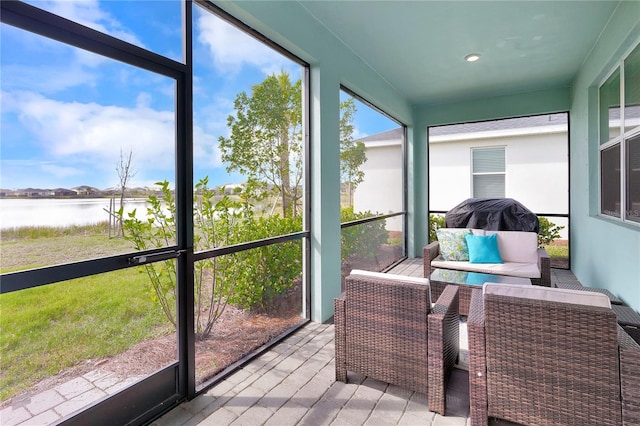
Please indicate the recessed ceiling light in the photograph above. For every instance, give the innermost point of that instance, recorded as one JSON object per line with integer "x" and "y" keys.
{"x": 472, "y": 57}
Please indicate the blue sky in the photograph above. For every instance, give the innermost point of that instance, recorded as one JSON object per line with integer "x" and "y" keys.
{"x": 67, "y": 114}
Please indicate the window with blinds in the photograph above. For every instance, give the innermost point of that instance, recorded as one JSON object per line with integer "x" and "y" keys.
{"x": 488, "y": 172}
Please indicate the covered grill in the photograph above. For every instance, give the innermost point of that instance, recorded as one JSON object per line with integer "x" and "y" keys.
{"x": 496, "y": 214}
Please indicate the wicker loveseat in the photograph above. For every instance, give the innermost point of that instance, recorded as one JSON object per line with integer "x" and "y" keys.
{"x": 387, "y": 329}
{"x": 538, "y": 359}
{"x": 519, "y": 251}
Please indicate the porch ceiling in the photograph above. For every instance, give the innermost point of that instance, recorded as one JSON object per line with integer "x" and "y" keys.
{"x": 418, "y": 47}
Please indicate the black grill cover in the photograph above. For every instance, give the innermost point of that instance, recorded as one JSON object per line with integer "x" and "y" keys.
{"x": 495, "y": 214}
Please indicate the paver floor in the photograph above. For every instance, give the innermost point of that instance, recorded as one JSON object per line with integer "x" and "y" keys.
{"x": 292, "y": 383}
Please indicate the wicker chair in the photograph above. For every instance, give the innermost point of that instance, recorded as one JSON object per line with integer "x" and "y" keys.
{"x": 540, "y": 362}
{"x": 386, "y": 329}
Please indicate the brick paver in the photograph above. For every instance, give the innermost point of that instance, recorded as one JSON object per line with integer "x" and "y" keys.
{"x": 292, "y": 383}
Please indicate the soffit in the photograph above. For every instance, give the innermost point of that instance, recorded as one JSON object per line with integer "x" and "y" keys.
{"x": 418, "y": 47}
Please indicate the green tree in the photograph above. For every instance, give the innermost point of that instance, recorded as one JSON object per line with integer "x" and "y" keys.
{"x": 352, "y": 153}
{"x": 266, "y": 139}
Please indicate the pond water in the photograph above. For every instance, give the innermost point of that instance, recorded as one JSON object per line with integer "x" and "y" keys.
{"x": 15, "y": 213}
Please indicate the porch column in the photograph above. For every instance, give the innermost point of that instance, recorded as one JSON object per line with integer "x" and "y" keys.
{"x": 417, "y": 187}
{"x": 325, "y": 192}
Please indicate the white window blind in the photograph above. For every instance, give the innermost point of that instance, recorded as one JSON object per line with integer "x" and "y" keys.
{"x": 488, "y": 171}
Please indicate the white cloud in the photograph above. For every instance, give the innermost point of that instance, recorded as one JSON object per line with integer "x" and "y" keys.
{"x": 206, "y": 153}
{"x": 95, "y": 134}
{"x": 232, "y": 48}
{"x": 89, "y": 13}
{"x": 60, "y": 66}
{"x": 143, "y": 100}
{"x": 358, "y": 134}
{"x": 83, "y": 141}
{"x": 58, "y": 78}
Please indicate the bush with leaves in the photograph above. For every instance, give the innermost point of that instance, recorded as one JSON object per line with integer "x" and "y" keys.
{"x": 547, "y": 231}
{"x": 264, "y": 273}
{"x": 362, "y": 240}
{"x": 158, "y": 230}
{"x": 248, "y": 279}
{"x": 435, "y": 222}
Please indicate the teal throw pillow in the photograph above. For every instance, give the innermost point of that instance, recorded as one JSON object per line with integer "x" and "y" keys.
{"x": 483, "y": 248}
{"x": 452, "y": 243}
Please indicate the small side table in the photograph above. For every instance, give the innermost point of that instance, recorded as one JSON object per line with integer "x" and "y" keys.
{"x": 629, "y": 320}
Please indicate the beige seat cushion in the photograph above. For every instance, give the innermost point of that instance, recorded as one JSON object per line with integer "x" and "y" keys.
{"x": 514, "y": 269}
{"x": 393, "y": 278}
{"x": 562, "y": 295}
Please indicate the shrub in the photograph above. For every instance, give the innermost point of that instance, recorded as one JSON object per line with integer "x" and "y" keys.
{"x": 547, "y": 231}
{"x": 435, "y": 222}
{"x": 363, "y": 240}
{"x": 249, "y": 278}
{"x": 263, "y": 273}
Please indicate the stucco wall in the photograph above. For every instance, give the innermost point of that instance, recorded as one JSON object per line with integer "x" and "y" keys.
{"x": 605, "y": 253}
{"x": 537, "y": 172}
{"x": 381, "y": 189}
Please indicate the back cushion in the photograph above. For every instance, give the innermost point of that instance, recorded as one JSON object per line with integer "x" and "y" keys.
{"x": 577, "y": 297}
{"x": 392, "y": 278}
{"x": 452, "y": 243}
{"x": 517, "y": 246}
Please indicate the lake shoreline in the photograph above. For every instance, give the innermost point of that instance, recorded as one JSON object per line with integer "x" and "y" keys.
{"x": 60, "y": 212}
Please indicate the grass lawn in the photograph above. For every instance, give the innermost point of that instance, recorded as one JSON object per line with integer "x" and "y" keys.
{"x": 557, "y": 251}
{"x": 35, "y": 247}
{"x": 46, "y": 329}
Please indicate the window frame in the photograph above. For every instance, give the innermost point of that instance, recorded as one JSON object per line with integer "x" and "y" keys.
{"x": 405, "y": 197}
{"x": 474, "y": 173}
{"x": 157, "y": 393}
{"x": 621, "y": 140}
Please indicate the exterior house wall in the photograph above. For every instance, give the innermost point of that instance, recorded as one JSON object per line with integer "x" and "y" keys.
{"x": 604, "y": 252}
{"x": 536, "y": 172}
{"x": 536, "y": 166}
{"x": 381, "y": 189}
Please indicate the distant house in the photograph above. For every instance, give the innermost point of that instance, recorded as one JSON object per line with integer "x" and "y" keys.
{"x": 232, "y": 188}
{"x": 524, "y": 158}
{"x": 33, "y": 192}
{"x": 63, "y": 192}
{"x": 86, "y": 190}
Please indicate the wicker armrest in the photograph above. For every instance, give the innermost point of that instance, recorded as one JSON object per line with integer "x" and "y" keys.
{"x": 429, "y": 252}
{"x": 340, "y": 337}
{"x": 443, "y": 346}
{"x": 629, "y": 377}
{"x": 544, "y": 264}
{"x": 477, "y": 360}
